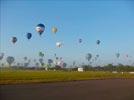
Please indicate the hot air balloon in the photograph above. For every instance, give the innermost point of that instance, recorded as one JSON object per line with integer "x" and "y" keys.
{"x": 40, "y": 28}
{"x": 64, "y": 65}
{"x": 14, "y": 40}
{"x": 59, "y": 44}
{"x": 54, "y": 29}
{"x": 117, "y": 55}
{"x": 1, "y": 56}
{"x": 29, "y": 35}
{"x": 41, "y": 61}
{"x": 25, "y": 58}
{"x": 41, "y": 54}
{"x": 57, "y": 58}
{"x": 98, "y": 42}
{"x": 97, "y": 55}
{"x": 80, "y": 40}
{"x": 50, "y": 61}
{"x": 10, "y": 60}
{"x": 88, "y": 56}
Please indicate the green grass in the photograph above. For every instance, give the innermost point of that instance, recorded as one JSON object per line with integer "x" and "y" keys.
{"x": 36, "y": 76}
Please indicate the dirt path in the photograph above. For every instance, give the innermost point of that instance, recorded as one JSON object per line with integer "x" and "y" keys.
{"x": 117, "y": 89}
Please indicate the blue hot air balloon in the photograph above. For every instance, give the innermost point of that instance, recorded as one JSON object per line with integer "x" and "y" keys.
{"x": 98, "y": 42}
{"x": 29, "y": 35}
{"x": 14, "y": 40}
{"x": 80, "y": 40}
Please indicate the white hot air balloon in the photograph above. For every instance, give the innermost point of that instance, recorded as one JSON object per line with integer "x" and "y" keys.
{"x": 59, "y": 44}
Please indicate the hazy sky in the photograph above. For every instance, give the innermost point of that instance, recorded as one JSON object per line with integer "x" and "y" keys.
{"x": 111, "y": 22}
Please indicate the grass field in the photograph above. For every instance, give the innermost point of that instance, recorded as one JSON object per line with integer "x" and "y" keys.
{"x": 40, "y": 76}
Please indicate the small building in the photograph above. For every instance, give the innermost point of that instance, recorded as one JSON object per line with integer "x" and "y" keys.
{"x": 131, "y": 72}
{"x": 80, "y": 69}
{"x": 114, "y": 72}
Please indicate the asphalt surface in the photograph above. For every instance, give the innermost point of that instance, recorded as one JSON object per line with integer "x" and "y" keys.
{"x": 116, "y": 89}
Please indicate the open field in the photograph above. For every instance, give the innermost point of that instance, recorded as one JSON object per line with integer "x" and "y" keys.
{"x": 41, "y": 76}
{"x": 109, "y": 89}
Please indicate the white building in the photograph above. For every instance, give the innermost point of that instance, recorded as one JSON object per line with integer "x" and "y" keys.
{"x": 80, "y": 69}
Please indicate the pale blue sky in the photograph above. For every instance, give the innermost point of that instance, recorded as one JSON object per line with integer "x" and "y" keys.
{"x": 112, "y": 22}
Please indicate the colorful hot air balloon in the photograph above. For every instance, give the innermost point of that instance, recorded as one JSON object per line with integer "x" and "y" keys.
{"x": 14, "y": 40}
{"x": 98, "y": 42}
{"x": 10, "y": 60}
{"x": 29, "y": 35}
{"x": 40, "y": 28}
{"x": 54, "y": 29}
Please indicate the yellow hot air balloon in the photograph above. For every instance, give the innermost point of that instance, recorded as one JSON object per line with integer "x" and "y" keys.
{"x": 54, "y": 29}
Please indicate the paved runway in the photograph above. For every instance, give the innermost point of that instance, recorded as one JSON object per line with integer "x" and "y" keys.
{"x": 116, "y": 89}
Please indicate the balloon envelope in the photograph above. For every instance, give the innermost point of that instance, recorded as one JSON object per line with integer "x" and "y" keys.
{"x": 97, "y": 55}
{"x": 80, "y": 40}
{"x": 41, "y": 60}
{"x": 64, "y": 64}
{"x": 14, "y": 39}
{"x": 1, "y": 56}
{"x": 25, "y": 58}
{"x": 58, "y": 44}
{"x": 117, "y": 55}
{"x": 41, "y": 54}
{"x": 98, "y": 42}
{"x": 29, "y": 35}
{"x": 10, "y": 60}
{"x": 50, "y": 61}
{"x": 54, "y": 29}
{"x": 40, "y": 28}
{"x": 88, "y": 56}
